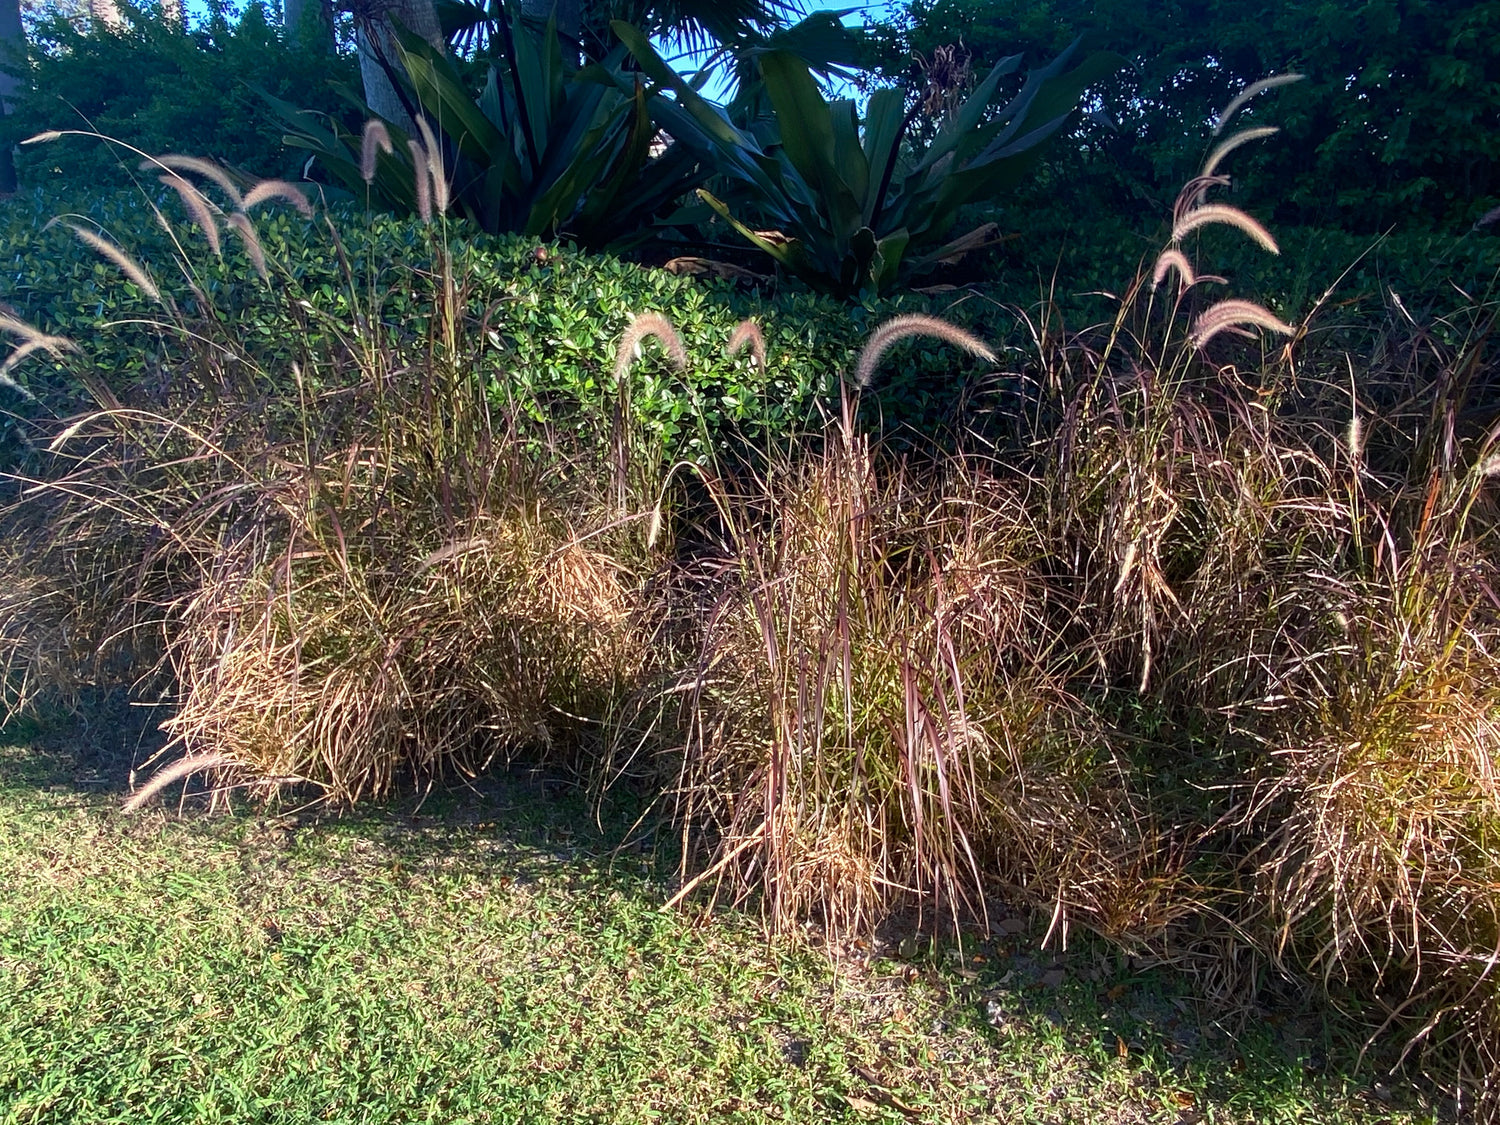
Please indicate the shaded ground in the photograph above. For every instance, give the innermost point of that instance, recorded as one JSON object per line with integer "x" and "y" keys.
{"x": 492, "y": 956}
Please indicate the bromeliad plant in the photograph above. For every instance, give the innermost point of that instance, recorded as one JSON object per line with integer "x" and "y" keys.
{"x": 548, "y": 148}
{"x": 855, "y": 207}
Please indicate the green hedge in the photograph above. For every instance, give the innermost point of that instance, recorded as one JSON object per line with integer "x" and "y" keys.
{"x": 553, "y": 317}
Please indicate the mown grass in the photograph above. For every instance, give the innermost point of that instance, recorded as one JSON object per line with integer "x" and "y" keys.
{"x": 490, "y": 956}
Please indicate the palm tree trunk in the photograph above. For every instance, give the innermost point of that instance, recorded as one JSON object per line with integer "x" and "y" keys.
{"x": 378, "y": 57}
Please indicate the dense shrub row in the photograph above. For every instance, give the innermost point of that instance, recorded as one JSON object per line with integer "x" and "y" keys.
{"x": 548, "y": 311}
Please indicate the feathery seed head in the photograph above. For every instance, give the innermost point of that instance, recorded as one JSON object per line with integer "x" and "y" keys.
{"x": 1229, "y": 144}
{"x": 128, "y": 266}
{"x": 748, "y": 333}
{"x": 246, "y": 230}
{"x": 198, "y": 207}
{"x": 435, "y": 166}
{"x": 1173, "y": 259}
{"x": 194, "y": 763}
{"x": 1251, "y": 91}
{"x": 1229, "y": 216}
{"x": 278, "y": 189}
{"x": 640, "y": 327}
{"x": 205, "y": 168}
{"x": 377, "y": 139}
{"x": 1354, "y": 438}
{"x": 1236, "y": 314}
{"x": 913, "y": 324}
{"x": 422, "y": 178}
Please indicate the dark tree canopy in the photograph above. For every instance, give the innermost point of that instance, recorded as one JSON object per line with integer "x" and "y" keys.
{"x": 1397, "y": 122}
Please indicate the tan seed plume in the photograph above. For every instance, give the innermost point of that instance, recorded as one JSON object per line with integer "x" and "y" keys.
{"x": 246, "y": 230}
{"x": 1236, "y": 314}
{"x": 1253, "y": 90}
{"x": 913, "y": 324}
{"x": 1173, "y": 259}
{"x": 1222, "y": 213}
{"x": 639, "y": 328}
{"x": 377, "y": 139}
{"x": 278, "y": 189}
{"x": 179, "y": 769}
{"x": 435, "y": 166}
{"x": 198, "y": 207}
{"x": 423, "y": 180}
{"x": 748, "y": 334}
{"x": 128, "y": 265}
{"x": 205, "y": 168}
{"x": 1229, "y": 144}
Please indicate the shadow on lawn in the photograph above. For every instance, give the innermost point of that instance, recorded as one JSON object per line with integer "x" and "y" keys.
{"x": 529, "y": 828}
{"x": 92, "y": 749}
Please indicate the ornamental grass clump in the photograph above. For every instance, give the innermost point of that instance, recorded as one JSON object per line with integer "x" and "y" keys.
{"x": 333, "y": 573}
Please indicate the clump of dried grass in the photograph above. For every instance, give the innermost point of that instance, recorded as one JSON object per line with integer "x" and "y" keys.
{"x": 1188, "y": 658}
{"x": 364, "y": 579}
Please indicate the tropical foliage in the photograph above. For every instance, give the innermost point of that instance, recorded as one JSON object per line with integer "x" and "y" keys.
{"x": 1397, "y": 123}
{"x": 852, "y": 205}
{"x": 545, "y": 148}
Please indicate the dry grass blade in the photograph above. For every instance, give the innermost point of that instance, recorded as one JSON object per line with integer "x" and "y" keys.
{"x": 914, "y": 324}
{"x": 128, "y": 265}
{"x": 278, "y": 189}
{"x": 183, "y": 767}
{"x": 376, "y": 139}
{"x": 198, "y": 207}
{"x": 1236, "y": 314}
{"x": 1255, "y": 89}
{"x": 242, "y": 226}
{"x": 1222, "y": 213}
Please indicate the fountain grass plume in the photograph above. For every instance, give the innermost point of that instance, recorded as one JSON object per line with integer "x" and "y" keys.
{"x": 278, "y": 189}
{"x": 376, "y": 139}
{"x": 434, "y": 166}
{"x": 1231, "y": 314}
{"x": 246, "y": 230}
{"x": 1173, "y": 259}
{"x": 639, "y": 328}
{"x": 422, "y": 178}
{"x": 107, "y": 249}
{"x": 183, "y": 767}
{"x": 913, "y": 324}
{"x": 199, "y": 209}
{"x": 748, "y": 333}
{"x": 1255, "y": 89}
{"x": 206, "y": 168}
{"x": 1226, "y": 215}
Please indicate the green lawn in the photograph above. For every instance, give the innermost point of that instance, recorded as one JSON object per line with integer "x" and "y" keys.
{"x": 485, "y": 958}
